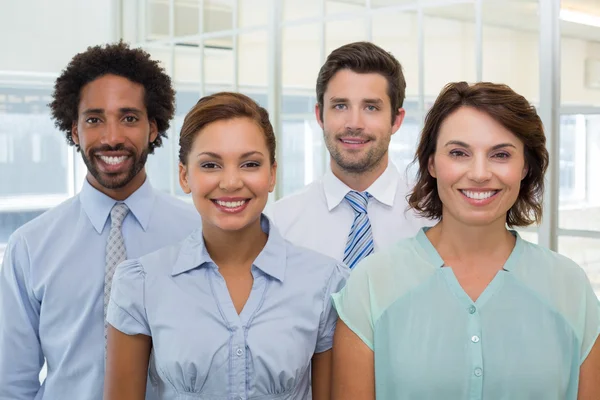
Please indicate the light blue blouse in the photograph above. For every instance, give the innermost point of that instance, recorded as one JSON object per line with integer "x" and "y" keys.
{"x": 202, "y": 349}
{"x": 524, "y": 338}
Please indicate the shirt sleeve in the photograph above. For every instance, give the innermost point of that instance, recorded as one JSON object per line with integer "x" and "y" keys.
{"x": 591, "y": 324}
{"x": 21, "y": 356}
{"x": 354, "y": 306}
{"x": 126, "y": 309}
{"x": 329, "y": 316}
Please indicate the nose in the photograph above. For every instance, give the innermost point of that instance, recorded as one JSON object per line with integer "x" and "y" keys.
{"x": 355, "y": 120}
{"x": 113, "y": 134}
{"x": 231, "y": 180}
{"x": 479, "y": 170}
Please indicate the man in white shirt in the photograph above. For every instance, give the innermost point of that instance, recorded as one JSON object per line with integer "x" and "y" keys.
{"x": 360, "y": 205}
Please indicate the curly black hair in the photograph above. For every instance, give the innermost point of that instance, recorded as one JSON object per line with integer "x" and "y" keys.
{"x": 118, "y": 59}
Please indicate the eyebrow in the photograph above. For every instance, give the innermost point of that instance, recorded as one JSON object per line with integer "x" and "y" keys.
{"x": 123, "y": 110}
{"x": 215, "y": 155}
{"x": 463, "y": 144}
{"x": 345, "y": 100}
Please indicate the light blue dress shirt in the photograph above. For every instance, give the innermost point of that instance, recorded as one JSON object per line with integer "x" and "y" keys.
{"x": 524, "y": 338}
{"x": 52, "y": 289}
{"x": 202, "y": 348}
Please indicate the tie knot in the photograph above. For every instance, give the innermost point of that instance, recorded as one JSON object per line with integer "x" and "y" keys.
{"x": 117, "y": 214}
{"x": 358, "y": 201}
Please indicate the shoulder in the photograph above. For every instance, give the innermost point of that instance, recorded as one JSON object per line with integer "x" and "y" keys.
{"x": 171, "y": 204}
{"x": 561, "y": 269}
{"x": 298, "y": 200}
{"x": 400, "y": 257}
{"x": 161, "y": 261}
{"x": 306, "y": 264}
{"x": 49, "y": 222}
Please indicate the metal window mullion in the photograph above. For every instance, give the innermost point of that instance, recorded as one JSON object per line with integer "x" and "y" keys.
{"x": 549, "y": 66}
{"x": 369, "y": 21}
{"x": 235, "y": 48}
{"x": 172, "y": 147}
{"x": 478, "y": 40}
{"x": 323, "y": 56}
{"x": 201, "y": 48}
{"x": 274, "y": 85}
{"x": 421, "y": 62}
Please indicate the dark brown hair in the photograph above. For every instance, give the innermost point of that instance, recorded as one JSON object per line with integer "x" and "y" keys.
{"x": 364, "y": 58}
{"x": 223, "y": 106}
{"x": 117, "y": 59}
{"x": 514, "y": 113}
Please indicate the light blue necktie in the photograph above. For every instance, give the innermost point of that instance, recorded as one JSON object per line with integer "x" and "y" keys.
{"x": 360, "y": 239}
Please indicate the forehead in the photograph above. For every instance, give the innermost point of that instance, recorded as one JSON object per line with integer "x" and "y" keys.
{"x": 231, "y": 136}
{"x": 476, "y": 128}
{"x": 112, "y": 92}
{"x": 352, "y": 85}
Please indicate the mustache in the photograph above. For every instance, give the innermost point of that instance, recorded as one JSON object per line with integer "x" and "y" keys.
{"x": 106, "y": 147}
{"x": 354, "y": 133}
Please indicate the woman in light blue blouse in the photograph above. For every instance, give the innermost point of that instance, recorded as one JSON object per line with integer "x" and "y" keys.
{"x": 234, "y": 311}
{"x": 467, "y": 309}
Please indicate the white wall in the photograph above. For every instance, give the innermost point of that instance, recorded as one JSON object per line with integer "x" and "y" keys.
{"x": 43, "y": 35}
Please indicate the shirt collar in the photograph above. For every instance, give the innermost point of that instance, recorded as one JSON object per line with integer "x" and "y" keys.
{"x": 97, "y": 205}
{"x": 434, "y": 257}
{"x": 383, "y": 189}
{"x": 271, "y": 260}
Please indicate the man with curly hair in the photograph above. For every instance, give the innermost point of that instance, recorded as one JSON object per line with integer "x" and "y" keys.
{"x": 114, "y": 104}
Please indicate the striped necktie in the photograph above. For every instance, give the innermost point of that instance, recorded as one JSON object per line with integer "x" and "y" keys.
{"x": 360, "y": 239}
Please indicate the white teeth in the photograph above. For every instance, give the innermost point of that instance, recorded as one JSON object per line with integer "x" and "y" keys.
{"x": 478, "y": 195}
{"x": 354, "y": 141}
{"x": 231, "y": 204}
{"x": 113, "y": 160}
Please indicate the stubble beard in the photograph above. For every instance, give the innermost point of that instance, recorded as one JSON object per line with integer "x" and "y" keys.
{"x": 114, "y": 181}
{"x": 361, "y": 163}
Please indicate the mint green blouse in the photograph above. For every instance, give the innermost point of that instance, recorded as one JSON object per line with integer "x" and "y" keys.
{"x": 524, "y": 338}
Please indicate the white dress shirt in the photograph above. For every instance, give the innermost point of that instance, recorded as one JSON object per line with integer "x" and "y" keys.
{"x": 318, "y": 217}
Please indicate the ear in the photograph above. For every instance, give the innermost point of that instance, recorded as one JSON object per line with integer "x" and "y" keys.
{"x": 525, "y": 172}
{"x": 398, "y": 120}
{"x": 183, "y": 179}
{"x": 273, "y": 180}
{"x": 318, "y": 115}
{"x": 153, "y": 130}
{"x": 431, "y": 166}
{"x": 75, "y": 133}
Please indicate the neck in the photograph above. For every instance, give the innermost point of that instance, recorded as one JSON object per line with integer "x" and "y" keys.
{"x": 238, "y": 248}
{"x": 456, "y": 241}
{"x": 122, "y": 193}
{"x": 360, "y": 181}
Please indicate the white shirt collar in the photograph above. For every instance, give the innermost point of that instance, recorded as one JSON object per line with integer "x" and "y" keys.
{"x": 383, "y": 189}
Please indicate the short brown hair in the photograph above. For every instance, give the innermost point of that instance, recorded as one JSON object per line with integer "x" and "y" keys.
{"x": 514, "y": 113}
{"x": 223, "y": 106}
{"x": 364, "y": 58}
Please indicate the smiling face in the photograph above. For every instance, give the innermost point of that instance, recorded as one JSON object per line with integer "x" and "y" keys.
{"x": 229, "y": 174}
{"x": 357, "y": 124}
{"x": 479, "y": 166}
{"x": 113, "y": 133}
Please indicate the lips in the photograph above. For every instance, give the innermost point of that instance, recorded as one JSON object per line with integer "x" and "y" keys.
{"x": 479, "y": 195}
{"x": 231, "y": 206}
{"x": 113, "y": 163}
{"x": 353, "y": 141}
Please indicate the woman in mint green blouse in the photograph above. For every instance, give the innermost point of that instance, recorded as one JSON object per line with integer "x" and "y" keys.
{"x": 467, "y": 309}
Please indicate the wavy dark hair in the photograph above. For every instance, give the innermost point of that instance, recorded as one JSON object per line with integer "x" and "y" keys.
{"x": 510, "y": 110}
{"x": 117, "y": 59}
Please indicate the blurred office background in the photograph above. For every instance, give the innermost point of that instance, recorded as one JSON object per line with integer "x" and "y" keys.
{"x": 547, "y": 50}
